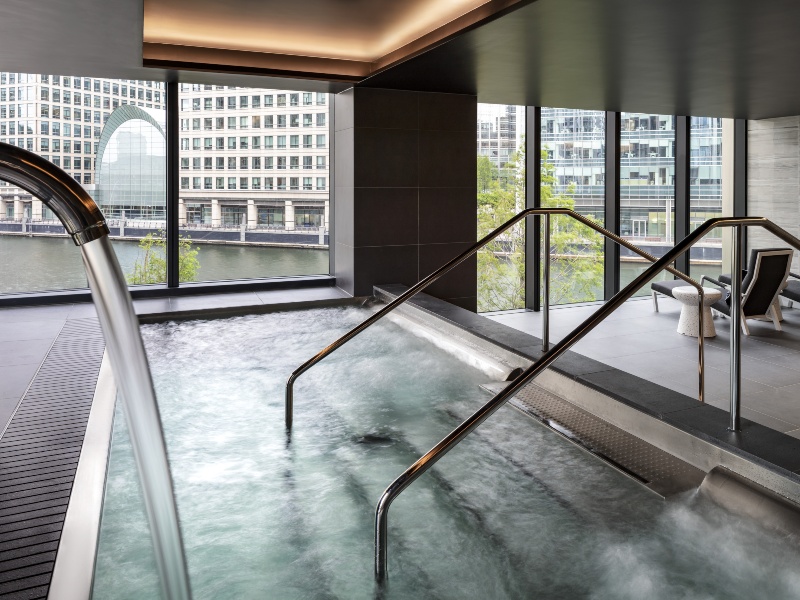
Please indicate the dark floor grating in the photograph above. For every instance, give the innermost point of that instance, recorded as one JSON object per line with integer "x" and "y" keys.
{"x": 38, "y": 458}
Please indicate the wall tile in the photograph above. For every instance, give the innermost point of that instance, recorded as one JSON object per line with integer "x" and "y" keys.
{"x": 386, "y": 109}
{"x": 386, "y": 216}
{"x": 447, "y": 215}
{"x": 386, "y": 158}
{"x": 460, "y": 282}
{"x": 447, "y": 159}
{"x": 384, "y": 264}
{"x": 448, "y": 112}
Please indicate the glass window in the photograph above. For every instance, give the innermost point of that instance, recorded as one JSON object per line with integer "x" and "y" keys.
{"x": 708, "y": 139}
{"x": 647, "y": 190}
{"x": 246, "y": 178}
{"x": 501, "y": 193}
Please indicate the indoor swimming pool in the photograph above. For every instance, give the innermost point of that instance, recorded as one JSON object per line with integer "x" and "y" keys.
{"x": 515, "y": 511}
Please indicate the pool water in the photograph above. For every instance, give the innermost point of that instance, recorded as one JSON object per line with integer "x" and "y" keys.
{"x": 515, "y": 511}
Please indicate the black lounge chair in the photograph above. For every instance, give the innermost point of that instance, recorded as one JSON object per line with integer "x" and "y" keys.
{"x": 765, "y": 278}
{"x": 792, "y": 290}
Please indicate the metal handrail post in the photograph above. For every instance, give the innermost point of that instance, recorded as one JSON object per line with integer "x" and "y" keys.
{"x": 736, "y": 331}
{"x": 546, "y": 286}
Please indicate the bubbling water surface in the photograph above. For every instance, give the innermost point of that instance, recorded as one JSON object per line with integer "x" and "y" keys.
{"x": 515, "y": 511}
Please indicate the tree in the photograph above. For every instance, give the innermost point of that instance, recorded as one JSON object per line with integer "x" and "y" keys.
{"x": 151, "y": 264}
{"x": 576, "y": 250}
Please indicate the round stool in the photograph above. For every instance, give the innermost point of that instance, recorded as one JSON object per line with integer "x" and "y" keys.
{"x": 688, "y": 323}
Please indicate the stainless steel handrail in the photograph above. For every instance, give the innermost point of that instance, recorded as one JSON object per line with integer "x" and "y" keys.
{"x": 86, "y": 225}
{"x": 544, "y": 213}
{"x": 434, "y": 454}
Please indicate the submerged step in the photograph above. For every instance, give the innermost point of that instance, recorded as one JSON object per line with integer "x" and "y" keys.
{"x": 654, "y": 468}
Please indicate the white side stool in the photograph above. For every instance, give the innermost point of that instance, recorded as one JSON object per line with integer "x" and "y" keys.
{"x": 688, "y": 323}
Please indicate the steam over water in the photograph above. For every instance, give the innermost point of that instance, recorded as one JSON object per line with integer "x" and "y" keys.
{"x": 514, "y": 512}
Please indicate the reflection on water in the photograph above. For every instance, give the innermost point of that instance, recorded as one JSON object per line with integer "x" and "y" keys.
{"x": 42, "y": 263}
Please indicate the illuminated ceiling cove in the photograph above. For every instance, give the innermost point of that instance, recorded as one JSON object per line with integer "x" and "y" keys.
{"x": 354, "y": 34}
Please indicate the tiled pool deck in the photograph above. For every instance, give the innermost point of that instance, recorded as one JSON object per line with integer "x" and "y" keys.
{"x": 637, "y": 340}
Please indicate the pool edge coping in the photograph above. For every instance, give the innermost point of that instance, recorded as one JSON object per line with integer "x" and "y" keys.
{"x": 73, "y": 572}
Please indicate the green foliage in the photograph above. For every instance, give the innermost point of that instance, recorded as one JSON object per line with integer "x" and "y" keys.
{"x": 151, "y": 264}
{"x": 576, "y": 250}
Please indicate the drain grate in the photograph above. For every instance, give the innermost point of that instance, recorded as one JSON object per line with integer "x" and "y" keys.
{"x": 658, "y": 470}
{"x": 39, "y": 455}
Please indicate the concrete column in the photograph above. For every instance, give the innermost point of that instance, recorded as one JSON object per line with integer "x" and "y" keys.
{"x": 406, "y": 197}
{"x": 19, "y": 209}
{"x": 252, "y": 214}
{"x": 326, "y": 225}
{"x": 3, "y": 208}
{"x": 36, "y": 210}
{"x": 288, "y": 216}
{"x": 216, "y": 214}
{"x": 181, "y": 212}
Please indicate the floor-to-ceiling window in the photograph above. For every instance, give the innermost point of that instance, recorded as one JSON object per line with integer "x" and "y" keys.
{"x": 647, "y": 189}
{"x": 706, "y": 192}
{"x": 501, "y": 195}
{"x": 573, "y": 176}
{"x": 108, "y": 135}
{"x": 254, "y": 181}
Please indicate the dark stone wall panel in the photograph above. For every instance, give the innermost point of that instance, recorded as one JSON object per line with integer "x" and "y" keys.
{"x": 385, "y": 216}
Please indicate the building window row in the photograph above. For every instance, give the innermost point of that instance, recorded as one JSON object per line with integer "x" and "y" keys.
{"x": 254, "y": 162}
{"x": 254, "y": 183}
{"x": 252, "y": 142}
{"x": 252, "y": 101}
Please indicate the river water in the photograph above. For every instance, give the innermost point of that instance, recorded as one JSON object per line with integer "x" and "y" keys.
{"x": 29, "y": 264}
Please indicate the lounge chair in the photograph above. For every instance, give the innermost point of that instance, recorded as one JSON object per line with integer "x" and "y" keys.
{"x": 765, "y": 278}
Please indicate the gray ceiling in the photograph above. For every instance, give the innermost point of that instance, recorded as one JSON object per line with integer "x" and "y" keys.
{"x": 731, "y": 58}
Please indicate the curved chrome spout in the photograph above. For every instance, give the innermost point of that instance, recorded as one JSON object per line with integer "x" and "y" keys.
{"x": 61, "y": 193}
{"x": 87, "y": 227}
